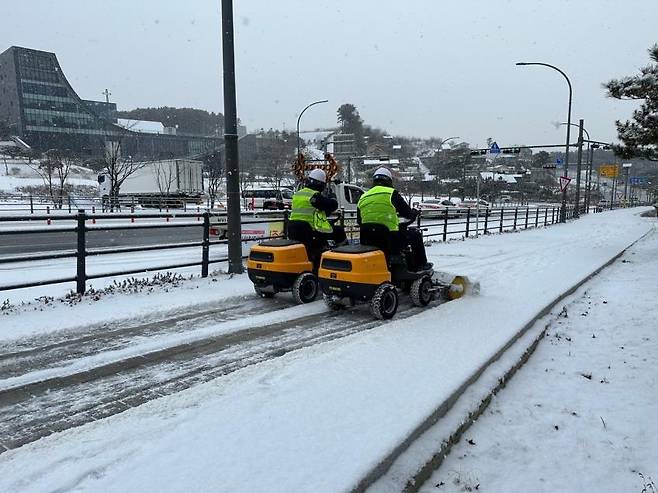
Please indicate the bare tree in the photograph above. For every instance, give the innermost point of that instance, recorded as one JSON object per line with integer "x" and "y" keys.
{"x": 54, "y": 170}
{"x": 118, "y": 169}
{"x": 11, "y": 152}
{"x": 165, "y": 176}
{"x": 215, "y": 172}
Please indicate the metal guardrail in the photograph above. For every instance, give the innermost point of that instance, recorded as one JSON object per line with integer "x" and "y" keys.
{"x": 82, "y": 252}
{"x": 467, "y": 223}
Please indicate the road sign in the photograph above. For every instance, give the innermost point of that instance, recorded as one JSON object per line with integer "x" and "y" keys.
{"x": 637, "y": 180}
{"x": 564, "y": 183}
{"x": 494, "y": 149}
{"x": 609, "y": 170}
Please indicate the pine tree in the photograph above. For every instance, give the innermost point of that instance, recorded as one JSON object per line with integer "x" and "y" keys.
{"x": 639, "y": 136}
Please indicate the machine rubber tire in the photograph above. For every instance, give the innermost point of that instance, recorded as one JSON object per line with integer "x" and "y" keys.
{"x": 421, "y": 291}
{"x": 384, "y": 303}
{"x": 305, "y": 289}
{"x": 332, "y": 303}
{"x": 264, "y": 294}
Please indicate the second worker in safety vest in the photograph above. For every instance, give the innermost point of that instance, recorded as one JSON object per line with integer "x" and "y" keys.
{"x": 308, "y": 218}
{"x": 378, "y": 215}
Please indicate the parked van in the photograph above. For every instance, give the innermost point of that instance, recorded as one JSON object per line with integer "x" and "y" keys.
{"x": 267, "y": 199}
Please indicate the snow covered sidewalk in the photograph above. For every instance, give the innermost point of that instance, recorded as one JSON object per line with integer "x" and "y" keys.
{"x": 581, "y": 414}
{"x": 320, "y": 419}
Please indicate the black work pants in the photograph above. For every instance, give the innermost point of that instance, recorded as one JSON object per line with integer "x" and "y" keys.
{"x": 315, "y": 241}
{"x": 394, "y": 242}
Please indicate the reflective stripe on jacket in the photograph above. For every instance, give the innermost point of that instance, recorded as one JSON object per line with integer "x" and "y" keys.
{"x": 303, "y": 210}
{"x": 376, "y": 207}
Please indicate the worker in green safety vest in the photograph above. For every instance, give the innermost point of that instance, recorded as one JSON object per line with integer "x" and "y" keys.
{"x": 378, "y": 213}
{"x": 308, "y": 221}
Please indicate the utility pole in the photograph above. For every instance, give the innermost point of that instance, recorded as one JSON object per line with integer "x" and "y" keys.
{"x": 576, "y": 211}
{"x": 234, "y": 226}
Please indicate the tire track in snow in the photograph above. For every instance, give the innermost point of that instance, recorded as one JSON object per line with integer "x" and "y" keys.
{"x": 120, "y": 335}
{"x": 30, "y": 413}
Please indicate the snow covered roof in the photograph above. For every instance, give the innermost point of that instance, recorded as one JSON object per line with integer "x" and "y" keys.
{"x": 488, "y": 175}
{"x": 381, "y": 162}
{"x": 142, "y": 126}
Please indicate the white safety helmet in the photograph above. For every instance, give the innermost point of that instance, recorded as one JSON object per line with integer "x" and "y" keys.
{"x": 318, "y": 175}
{"x": 383, "y": 172}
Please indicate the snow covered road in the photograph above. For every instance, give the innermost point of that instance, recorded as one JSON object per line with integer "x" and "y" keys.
{"x": 276, "y": 426}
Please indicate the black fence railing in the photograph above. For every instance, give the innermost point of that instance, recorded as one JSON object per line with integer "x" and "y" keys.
{"x": 473, "y": 221}
{"x": 442, "y": 225}
{"x": 82, "y": 252}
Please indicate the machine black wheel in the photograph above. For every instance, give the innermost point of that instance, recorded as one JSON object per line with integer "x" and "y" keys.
{"x": 264, "y": 294}
{"x": 421, "y": 291}
{"x": 305, "y": 288}
{"x": 384, "y": 303}
{"x": 332, "y": 302}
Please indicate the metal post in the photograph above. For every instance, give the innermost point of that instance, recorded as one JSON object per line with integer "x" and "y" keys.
{"x": 233, "y": 223}
{"x": 527, "y": 211}
{"x": 516, "y": 215}
{"x": 537, "y": 218}
{"x": 588, "y": 196}
{"x": 552, "y": 215}
{"x": 69, "y": 201}
{"x": 445, "y": 225}
{"x": 628, "y": 172}
{"x": 31, "y": 205}
{"x": 576, "y": 211}
{"x": 468, "y": 220}
{"x": 205, "y": 247}
{"x": 545, "y": 216}
{"x": 486, "y": 219}
{"x": 81, "y": 254}
{"x": 502, "y": 215}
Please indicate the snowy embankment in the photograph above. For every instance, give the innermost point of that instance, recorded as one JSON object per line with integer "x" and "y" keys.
{"x": 581, "y": 414}
{"x": 322, "y": 418}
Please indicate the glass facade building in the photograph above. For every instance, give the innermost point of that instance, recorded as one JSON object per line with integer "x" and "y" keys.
{"x": 42, "y": 108}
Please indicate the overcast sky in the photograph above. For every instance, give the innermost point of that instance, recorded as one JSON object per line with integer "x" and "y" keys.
{"x": 415, "y": 67}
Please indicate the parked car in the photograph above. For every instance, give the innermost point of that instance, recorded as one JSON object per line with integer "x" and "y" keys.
{"x": 473, "y": 204}
{"x": 438, "y": 207}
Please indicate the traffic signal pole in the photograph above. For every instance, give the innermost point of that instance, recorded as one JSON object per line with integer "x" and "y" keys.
{"x": 576, "y": 211}
{"x": 234, "y": 226}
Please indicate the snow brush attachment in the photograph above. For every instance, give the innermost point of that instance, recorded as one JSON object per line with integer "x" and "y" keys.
{"x": 455, "y": 287}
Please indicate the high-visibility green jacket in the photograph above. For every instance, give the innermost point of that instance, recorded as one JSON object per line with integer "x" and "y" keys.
{"x": 375, "y": 206}
{"x": 303, "y": 210}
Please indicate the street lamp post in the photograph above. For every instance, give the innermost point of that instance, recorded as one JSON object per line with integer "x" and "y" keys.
{"x": 300, "y": 117}
{"x": 563, "y": 210}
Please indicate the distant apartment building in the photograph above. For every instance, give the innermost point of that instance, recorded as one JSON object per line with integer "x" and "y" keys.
{"x": 42, "y": 108}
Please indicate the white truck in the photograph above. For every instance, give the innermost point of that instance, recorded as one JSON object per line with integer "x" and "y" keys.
{"x": 170, "y": 182}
